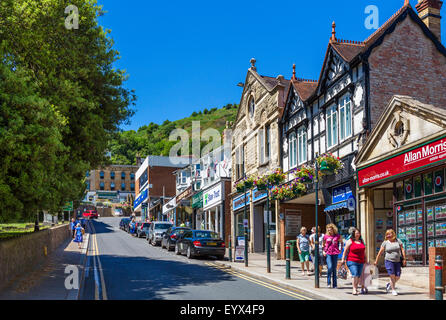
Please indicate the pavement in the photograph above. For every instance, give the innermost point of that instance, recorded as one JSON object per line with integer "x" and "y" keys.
{"x": 257, "y": 269}
{"x": 47, "y": 281}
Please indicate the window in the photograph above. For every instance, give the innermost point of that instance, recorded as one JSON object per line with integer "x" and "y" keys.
{"x": 251, "y": 108}
{"x": 345, "y": 118}
{"x": 439, "y": 181}
{"x": 102, "y": 185}
{"x": 332, "y": 127}
{"x": 123, "y": 175}
{"x": 132, "y": 176}
{"x": 408, "y": 189}
{"x": 112, "y": 186}
{"x": 264, "y": 144}
{"x": 428, "y": 184}
{"x": 101, "y": 174}
{"x": 261, "y": 146}
{"x": 268, "y": 142}
{"x": 132, "y": 187}
{"x": 112, "y": 175}
{"x": 292, "y": 150}
{"x": 417, "y": 186}
{"x": 239, "y": 163}
{"x": 123, "y": 186}
{"x": 302, "y": 144}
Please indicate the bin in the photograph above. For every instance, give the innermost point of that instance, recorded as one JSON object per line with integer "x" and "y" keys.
{"x": 294, "y": 254}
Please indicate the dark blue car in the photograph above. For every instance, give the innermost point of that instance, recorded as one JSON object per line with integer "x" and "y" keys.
{"x": 195, "y": 243}
{"x": 171, "y": 236}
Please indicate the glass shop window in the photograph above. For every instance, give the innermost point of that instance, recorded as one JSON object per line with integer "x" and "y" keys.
{"x": 408, "y": 189}
{"x": 428, "y": 184}
{"x": 417, "y": 186}
{"x": 399, "y": 191}
{"x": 439, "y": 181}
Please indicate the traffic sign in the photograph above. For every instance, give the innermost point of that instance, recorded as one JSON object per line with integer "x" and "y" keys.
{"x": 68, "y": 206}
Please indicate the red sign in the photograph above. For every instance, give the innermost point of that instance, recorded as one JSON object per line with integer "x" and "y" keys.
{"x": 414, "y": 159}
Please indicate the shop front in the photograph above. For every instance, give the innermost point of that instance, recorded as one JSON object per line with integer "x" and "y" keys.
{"x": 241, "y": 217}
{"x": 169, "y": 210}
{"x": 197, "y": 207}
{"x": 400, "y": 175}
{"x": 213, "y": 208}
{"x": 184, "y": 208}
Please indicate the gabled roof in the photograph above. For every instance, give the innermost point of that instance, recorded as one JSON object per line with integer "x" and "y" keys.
{"x": 349, "y": 50}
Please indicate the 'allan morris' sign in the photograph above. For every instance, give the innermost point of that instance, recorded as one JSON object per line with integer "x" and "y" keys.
{"x": 423, "y": 156}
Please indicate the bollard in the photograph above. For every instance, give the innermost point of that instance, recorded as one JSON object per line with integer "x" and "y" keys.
{"x": 288, "y": 267}
{"x": 230, "y": 249}
{"x": 439, "y": 278}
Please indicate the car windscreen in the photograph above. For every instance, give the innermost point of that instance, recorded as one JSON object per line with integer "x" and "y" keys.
{"x": 163, "y": 226}
{"x": 146, "y": 225}
{"x": 180, "y": 231}
{"x": 207, "y": 234}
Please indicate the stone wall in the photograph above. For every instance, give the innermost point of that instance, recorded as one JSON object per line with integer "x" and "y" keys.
{"x": 19, "y": 255}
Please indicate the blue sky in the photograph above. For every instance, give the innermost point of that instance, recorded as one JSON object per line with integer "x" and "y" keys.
{"x": 184, "y": 56}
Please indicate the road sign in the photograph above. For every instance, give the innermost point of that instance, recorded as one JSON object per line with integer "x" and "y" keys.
{"x": 68, "y": 206}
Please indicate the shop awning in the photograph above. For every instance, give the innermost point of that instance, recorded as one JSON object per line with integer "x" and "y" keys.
{"x": 336, "y": 206}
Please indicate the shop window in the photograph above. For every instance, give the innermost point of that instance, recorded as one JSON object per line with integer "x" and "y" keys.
{"x": 417, "y": 186}
{"x": 428, "y": 184}
{"x": 439, "y": 181}
{"x": 388, "y": 198}
{"x": 408, "y": 189}
{"x": 399, "y": 191}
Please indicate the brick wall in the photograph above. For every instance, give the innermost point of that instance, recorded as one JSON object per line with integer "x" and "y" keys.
{"x": 406, "y": 63}
{"x": 159, "y": 177}
{"x": 433, "y": 252}
{"x": 95, "y": 178}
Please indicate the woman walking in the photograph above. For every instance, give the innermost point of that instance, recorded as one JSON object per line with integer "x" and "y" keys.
{"x": 394, "y": 259}
{"x": 303, "y": 245}
{"x": 331, "y": 243}
{"x": 355, "y": 251}
{"x": 79, "y": 231}
{"x": 313, "y": 247}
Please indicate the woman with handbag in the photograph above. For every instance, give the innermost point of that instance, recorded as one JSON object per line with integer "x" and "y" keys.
{"x": 395, "y": 258}
{"x": 331, "y": 243}
{"x": 355, "y": 251}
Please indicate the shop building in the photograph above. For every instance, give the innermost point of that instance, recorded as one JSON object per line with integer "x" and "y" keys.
{"x": 400, "y": 173}
{"x": 337, "y": 112}
{"x": 155, "y": 184}
{"x": 255, "y": 151}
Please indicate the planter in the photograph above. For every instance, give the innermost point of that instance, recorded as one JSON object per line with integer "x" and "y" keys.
{"x": 239, "y": 189}
{"x": 326, "y": 168}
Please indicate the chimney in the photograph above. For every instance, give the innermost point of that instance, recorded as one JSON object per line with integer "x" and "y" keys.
{"x": 429, "y": 13}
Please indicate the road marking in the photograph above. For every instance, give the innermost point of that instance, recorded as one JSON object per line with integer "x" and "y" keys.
{"x": 104, "y": 290}
{"x": 259, "y": 282}
{"x": 99, "y": 287}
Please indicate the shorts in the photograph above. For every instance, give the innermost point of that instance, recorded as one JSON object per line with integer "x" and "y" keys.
{"x": 304, "y": 256}
{"x": 355, "y": 268}
{"x": 393, "y": 268}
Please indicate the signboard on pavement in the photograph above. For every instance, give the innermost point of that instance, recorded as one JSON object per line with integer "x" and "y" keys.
{"x": 239, "y": 254}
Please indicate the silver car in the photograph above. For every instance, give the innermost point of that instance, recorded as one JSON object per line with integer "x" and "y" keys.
{"x": 156, "y": 231}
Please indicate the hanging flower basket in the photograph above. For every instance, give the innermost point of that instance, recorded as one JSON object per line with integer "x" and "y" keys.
{"x": 299, "y": 189}
{"x": 329, "y": 164}
{"x": 305, "y": 174}
{"x": 249, "y": 182}
{"x": 276, "y": 178}
{"x": 261, "y": 183}
{"x": 240, "y": 186}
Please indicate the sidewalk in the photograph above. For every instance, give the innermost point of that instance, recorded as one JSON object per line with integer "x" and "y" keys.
{"x": 257, "y": 269}
{"x": 47, "y": 281}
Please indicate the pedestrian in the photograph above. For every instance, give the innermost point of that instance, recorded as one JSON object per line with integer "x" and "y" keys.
{"x": 79, "y": 235}
{"x": 73, "y": 227}
{"x": 182, "y": 225}
{"x": 394, "y": 259}
{"x": 303, "y": 246}
{"x": 132, "y": 226}
{"x": 355, "y": 252}
{"x": 331, "y": 243}
{"x": 321, "y": 261}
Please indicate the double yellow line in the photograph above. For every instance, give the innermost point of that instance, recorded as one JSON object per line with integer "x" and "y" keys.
{"x": 259, "y": 282}
{"x": 95, "y": 254}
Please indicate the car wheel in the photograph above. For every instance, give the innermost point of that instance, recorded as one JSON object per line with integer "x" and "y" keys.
{"x": 177, "y": 250}
{"x": 189, "y": 253}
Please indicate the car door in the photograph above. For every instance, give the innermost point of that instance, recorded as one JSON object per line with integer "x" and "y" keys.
{"x": 187, "y": 240}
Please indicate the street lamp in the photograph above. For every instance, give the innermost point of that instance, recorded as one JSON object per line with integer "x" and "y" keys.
{"x": 268, "y": 244}
{"x": 244, "y": 222}
{"x": 316, "y": 240}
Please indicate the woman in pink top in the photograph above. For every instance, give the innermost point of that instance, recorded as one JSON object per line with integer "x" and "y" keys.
{"x": 331, "y": 251}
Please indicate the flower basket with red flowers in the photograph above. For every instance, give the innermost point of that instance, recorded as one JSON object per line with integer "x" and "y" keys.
{"x": 298, "y": 188}
{"x": 276, "y": 178}
{"x": 305, "y": 174}
{"x": 261, "y": 183}
{"x": 329, "y": 164}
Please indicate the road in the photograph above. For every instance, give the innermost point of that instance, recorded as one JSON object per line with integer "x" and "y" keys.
{"x": 121, "y": 267}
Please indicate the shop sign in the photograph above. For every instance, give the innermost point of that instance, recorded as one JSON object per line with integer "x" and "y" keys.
{"x": 438, "y": 181}
{"x": 258, "y": 195}
{"x": 239, "y": 202}
{"x": 197, "y": 200}
{"x": 169, "y": 206}
{"x": 185, "y": 194}
{"x": 420, "y": 157}
{"x": 140, "y": 199}
{"x": 212, "y": 197}
{"x": 341, "y": 193}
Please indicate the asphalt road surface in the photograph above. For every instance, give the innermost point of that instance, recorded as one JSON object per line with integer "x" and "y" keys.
{"x": 123, "y": 267}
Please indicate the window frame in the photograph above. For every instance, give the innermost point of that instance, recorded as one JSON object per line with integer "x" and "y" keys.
{"x": 302, "y": 145}
{"x": 332, "y": 129}
{"x": 345, "y": 106}
{"x": 292, "y": 147}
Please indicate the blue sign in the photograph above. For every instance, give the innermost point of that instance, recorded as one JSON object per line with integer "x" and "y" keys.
{"x": 140, "y": 199}
{"x": 341, "y": 193}
{"x": 257, "y": 195}
{"x": 351, "y": 203}
{"x": 239, "y": 202}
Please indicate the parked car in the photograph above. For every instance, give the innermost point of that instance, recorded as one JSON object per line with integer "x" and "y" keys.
{"x": 156, "y": 230}
{"x": 170, "y": 237}
{"x": 194, "y": 243}
{"x": 143, "y": 229}
{"x": 90, "y": 214}
{"x": 124, "y": 223}
{"x": 118, "y": 212}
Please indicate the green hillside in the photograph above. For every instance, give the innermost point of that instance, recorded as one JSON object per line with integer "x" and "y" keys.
{"x": 153, "y": 139}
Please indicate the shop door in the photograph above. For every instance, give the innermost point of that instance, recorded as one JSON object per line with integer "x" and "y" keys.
{"x": 259, "y": 231}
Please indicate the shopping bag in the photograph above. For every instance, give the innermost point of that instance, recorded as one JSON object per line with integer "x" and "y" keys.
{"x": 342, "y": 272}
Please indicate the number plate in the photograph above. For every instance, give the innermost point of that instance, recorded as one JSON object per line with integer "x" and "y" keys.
{"x": 212, "y": 243}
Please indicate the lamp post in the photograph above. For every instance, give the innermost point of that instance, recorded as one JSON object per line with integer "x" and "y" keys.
{"x": 316, "y": 240}
{"x": 245, "y": 227}
{"x": 268, "y": 244}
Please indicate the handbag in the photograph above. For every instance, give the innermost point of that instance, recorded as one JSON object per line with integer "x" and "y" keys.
{"x": 402, "y": 261}
{"x": 342, "y": 272}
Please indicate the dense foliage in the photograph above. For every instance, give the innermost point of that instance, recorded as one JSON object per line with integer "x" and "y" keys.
{"x": 61, "y": 101}
{"x": 153, "y": 139}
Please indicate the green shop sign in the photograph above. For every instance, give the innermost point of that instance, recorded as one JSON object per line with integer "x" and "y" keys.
{"x": 197, "y": 200}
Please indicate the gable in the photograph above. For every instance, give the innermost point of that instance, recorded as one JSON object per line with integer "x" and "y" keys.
{"x": 333, "y": 69}
{"x": 404, "y": 123}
